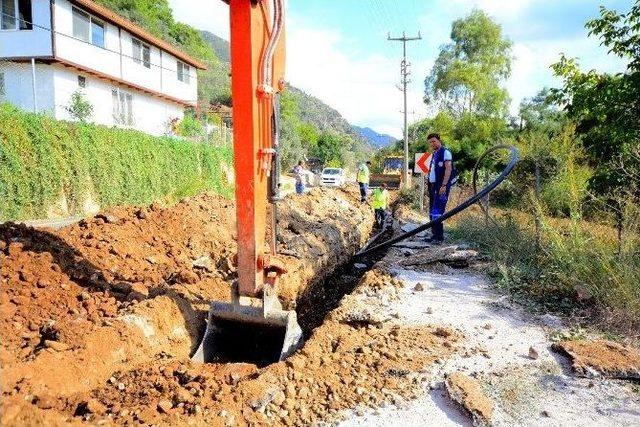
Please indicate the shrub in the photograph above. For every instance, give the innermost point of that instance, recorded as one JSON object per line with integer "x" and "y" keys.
{"x": 42, "y": 160}
{"x": 578, "y": 265}
{"x": 79, "y": 107}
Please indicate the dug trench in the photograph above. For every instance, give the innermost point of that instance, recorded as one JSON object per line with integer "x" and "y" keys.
{"x": 98, "y": 319}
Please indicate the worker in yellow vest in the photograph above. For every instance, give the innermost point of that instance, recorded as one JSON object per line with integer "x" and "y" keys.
{"x": 363, "y": 180}
{"x": 380, "y": 203}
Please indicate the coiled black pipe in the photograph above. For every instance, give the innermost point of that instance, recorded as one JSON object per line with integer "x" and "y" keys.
{"x": 514, "y": 158}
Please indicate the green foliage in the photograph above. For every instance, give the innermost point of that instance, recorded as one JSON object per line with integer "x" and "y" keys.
{"x": 42, "y": 159}
{"x": 576, "y": 266}
{"x": 329, "y": 149}
{"x": 606, "y": 107}
{"x": 79, "y": 107}
{"x": 466, "y": 84}
{"x": 190, "y": 126}
{"x": 468, "y": 73}
{"x": 302, "y": 137}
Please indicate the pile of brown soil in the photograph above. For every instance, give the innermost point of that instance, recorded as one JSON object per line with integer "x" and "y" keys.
{"x": 344, "y": 365}
{"x": 99, "y": 319}
{"x": 592, "y": 358}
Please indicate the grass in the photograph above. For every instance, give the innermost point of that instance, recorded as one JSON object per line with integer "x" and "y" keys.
{"x": 578, "y": 268}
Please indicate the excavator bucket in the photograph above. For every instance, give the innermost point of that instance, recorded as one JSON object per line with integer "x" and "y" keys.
{"x": 256, "y": 333}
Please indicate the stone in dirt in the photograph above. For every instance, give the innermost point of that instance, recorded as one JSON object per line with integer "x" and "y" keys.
{"x": 56, "y": 345}
{"x": 204, "y": 262}
{"x": 138, "y": 292}
{"x": 419, "y": 287}
{"x": 45, "y": 402}
{"x": 593, "y": 358}
{"x": 165, "y": 406}
{"x": 467, "y": 392}
{"x": 533, "y": 353}
{"x": 442, "y": 332}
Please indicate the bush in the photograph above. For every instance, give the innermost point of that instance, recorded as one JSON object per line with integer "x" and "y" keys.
{"x": 42, "y": 160}
{"x": 578, "y": 265}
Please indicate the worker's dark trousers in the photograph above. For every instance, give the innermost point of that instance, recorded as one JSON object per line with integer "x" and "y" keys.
{"x": 381, "y": 216}
{"x": 437, "y": 207}
{"x": 364, "y": 187}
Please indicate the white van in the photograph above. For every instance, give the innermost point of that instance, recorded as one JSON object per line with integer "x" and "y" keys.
{"x": 332, "y": 177}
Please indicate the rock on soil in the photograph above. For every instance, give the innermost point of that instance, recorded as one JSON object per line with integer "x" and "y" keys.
{"x": 601, "y": 358}
{"x": 467, "y": 392}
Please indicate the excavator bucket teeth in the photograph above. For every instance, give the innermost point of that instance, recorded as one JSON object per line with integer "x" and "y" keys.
{"x": 238, "y": 333}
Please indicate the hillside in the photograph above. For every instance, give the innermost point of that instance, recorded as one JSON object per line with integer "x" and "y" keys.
{"x": 321, "y": 115}
{"x": 374, "y": 138}
{"x": 219, "y": 45}
{"x": 312, "y": 110}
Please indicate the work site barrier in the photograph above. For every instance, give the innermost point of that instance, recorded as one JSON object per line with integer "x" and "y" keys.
{"x": 477, "y": 197}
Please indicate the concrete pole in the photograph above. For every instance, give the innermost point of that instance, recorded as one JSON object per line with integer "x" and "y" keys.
{"x": 404, "y": 71}
{"x": 33, "y": 84}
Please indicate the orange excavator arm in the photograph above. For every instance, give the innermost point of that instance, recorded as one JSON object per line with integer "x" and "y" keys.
{"x": 257, "y": 75}
{"x": 254, "y": 327}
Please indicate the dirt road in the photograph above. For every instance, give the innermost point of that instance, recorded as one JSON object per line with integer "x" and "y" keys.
{"x": 504, "y": 348}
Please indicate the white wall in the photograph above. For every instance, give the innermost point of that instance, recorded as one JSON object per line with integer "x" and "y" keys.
{"x": 18, "y": 83}
{"x": 28, "y": 43}
{"x": 174, "y": 87}
{"x": 151, "y": 114}
{"x": 105, "y": 60}
{"x": 116, "y": 58}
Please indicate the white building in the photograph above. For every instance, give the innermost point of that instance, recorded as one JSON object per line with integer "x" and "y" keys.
{"x": 50, "y": 49}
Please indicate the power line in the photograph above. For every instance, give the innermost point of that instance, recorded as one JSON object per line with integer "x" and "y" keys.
{"x": 404, "y": 72}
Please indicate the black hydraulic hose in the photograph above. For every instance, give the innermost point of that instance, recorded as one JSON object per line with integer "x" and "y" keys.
{"x": 515, "y": 156}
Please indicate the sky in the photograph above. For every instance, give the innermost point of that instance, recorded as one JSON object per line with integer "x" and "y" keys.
{"x": 337, "y": 50}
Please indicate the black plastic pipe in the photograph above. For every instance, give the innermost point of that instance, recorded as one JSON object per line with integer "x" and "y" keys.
{"x": 515, "y": 157}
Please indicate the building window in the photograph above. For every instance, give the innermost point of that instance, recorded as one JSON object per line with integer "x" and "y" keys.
{"x": 82, "y": 81}
{"x": 122, "y": 107}
{"x": 87, "y": 28}
{"x": 141, "y": 53}
{"x": 183, "y": 72}
{"x": 15, "y": 14}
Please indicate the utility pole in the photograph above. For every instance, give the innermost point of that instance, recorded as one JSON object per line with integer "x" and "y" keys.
{"x": 404, "y": 72}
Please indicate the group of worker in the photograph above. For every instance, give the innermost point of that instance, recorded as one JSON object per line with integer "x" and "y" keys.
{"x": 441, "y": 177}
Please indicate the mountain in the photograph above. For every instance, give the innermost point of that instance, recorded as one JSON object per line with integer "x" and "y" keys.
{"x": 312, "y": 110}
{"x": 319, "y": 114}
{"x": 219, "y": 45}
{"x": 374, "y": 138}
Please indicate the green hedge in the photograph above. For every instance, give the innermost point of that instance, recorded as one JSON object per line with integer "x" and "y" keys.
{"x": 42, "y": 158}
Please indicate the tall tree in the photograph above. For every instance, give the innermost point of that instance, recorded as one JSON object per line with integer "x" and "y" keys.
{"x": 466, "y": 84}
{"x": 606, "y": 107}
{"x": 468, "y": 73}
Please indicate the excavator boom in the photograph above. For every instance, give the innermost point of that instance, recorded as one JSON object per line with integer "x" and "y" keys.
{"x": 254, "y": 320}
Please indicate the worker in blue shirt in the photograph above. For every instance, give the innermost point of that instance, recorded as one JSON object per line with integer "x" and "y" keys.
{"x": 441, "y": 175}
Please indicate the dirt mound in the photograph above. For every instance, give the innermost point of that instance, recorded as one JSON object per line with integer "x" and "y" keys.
{"x": 601, "y": 358}
{"x": 467, "y": 392}
{"x": 341, "y": 367}
{"x": 85, "y": 308}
